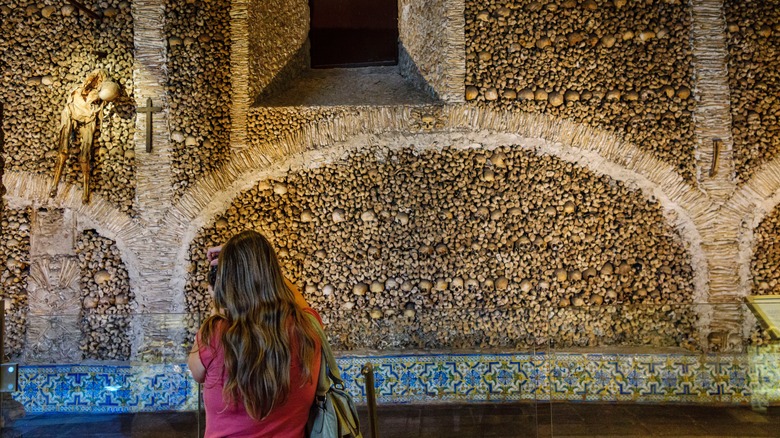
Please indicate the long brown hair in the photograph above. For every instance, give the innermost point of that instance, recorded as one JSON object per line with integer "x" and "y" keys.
{"x": 261, "y": 317}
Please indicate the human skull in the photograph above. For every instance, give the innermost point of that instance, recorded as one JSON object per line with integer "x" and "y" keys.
{"x": 108, "y": 91}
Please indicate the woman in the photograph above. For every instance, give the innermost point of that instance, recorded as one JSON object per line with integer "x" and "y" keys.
{"x": 258, "y": 355}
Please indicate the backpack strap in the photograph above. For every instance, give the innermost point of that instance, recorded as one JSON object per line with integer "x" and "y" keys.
{"x": 329, "y": 370}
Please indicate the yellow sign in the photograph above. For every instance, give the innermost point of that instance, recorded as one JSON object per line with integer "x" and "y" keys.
{"x": 767, "y": 309}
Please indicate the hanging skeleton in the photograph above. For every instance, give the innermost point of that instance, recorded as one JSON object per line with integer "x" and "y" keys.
{"x": 83, "y": 111}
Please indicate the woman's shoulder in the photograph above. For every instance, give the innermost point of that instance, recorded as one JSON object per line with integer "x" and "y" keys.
{"x": 215, "y": 323}
{"x": 214, "y": 326}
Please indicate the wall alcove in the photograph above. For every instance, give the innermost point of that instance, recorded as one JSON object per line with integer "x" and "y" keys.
{"x": 448, "y": 241}
{"x": 277, "y": 40}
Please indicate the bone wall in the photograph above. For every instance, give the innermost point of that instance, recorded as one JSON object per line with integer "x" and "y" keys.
{"x": 765, "y": 267}
{"x": 432, "y": 46}
{"x": 198, "y": 86}
{"x": 48, "y": 51}
{"x": 269, "y": 125}
{"x": 455, "y": 248}
{"x": 617, "y": 65}
{"x": 15, "y": 260}
{"x": 278, "y": 50}
{"x": 754, "y": 80}
{"x": 107, "y": 299}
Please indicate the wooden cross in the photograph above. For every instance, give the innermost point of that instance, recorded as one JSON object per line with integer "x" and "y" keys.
{"x": 149, "y": 109}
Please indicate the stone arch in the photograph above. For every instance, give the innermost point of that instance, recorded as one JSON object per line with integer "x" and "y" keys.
{"x": 606, "y": 146}
{"x": 763, "y": 189}
{"x": 599, "y": 151}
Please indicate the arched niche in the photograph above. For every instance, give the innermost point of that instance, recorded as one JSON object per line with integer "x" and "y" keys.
{"x": 270, "y": 52}
{"x": 258, "y": 187}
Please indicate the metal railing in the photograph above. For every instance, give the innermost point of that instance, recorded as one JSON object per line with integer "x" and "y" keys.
{"x": 368, "y": 373}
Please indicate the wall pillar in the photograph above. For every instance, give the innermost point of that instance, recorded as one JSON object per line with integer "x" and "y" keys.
{"x": 154, "y": 192}
{"x": 715, "y": 174}
{"x": 713, "y": 107}
{"x": 240, "y": 89}
{"x": 53, "y": 289}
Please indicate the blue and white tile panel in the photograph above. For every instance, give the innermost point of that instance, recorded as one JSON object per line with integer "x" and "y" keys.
{"x": 430, "y": 378}
{"x": 649, "y": 378}
{"x": 765, "y": 375}
{"x": 106, "y": 388}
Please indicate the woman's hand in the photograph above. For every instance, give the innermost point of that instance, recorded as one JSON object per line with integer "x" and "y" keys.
{"x": 212, "y": 254}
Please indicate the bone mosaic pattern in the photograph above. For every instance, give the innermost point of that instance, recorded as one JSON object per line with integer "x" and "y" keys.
{"x": 431, "y": 35}
{"x": 51, "y": 51}
{"x": 427, "y": 378}
{"x": 198, "y": 87}
{"x": 268, "y": 125}
{"x": 754, "y": 80}
{"x": 765, "y": 266}
{"x": 106, "y": 297}
{"x": 616, "y": 65}
{"x": 410, "y": 248}
{"x": 15, "y": 258}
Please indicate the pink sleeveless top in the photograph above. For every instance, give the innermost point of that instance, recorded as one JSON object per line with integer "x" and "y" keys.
{"x": 286, "y": 420}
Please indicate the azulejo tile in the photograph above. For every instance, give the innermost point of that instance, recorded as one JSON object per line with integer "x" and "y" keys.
{"x": 567, "y": 376}
{"x": 471, "y": 382}
{"x": 764, "y": 374}
{"x": 410, "y": 385}
{"x": 105, "y": 388}
{"x": 405, "y": 378}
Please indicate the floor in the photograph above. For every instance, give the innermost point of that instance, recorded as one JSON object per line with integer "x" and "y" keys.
{"x": 348, "y": 86}
{"x": 450, "y": 421}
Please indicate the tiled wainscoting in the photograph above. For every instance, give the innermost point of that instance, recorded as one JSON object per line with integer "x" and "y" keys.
{"x": 430, "y": 378}
{"x": 106, "y": 388}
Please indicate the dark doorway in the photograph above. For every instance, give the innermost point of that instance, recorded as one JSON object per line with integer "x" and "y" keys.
{"x": 353, "y": 33}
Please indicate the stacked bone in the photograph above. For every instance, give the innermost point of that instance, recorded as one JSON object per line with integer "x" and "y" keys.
{"x": 50, "y": 49}
{"x": 107, "y": 299}
{"x": 198, "y": 86}
{"x": 2, "y": 164}
{"x": 467, "y": 248}
{"x": 754, "y": 79}
{"x": 765, "y": 266}
{"x": 15, "y": 260}
{"x": 616, "y": 65}
{"x": 271, "y": 124}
